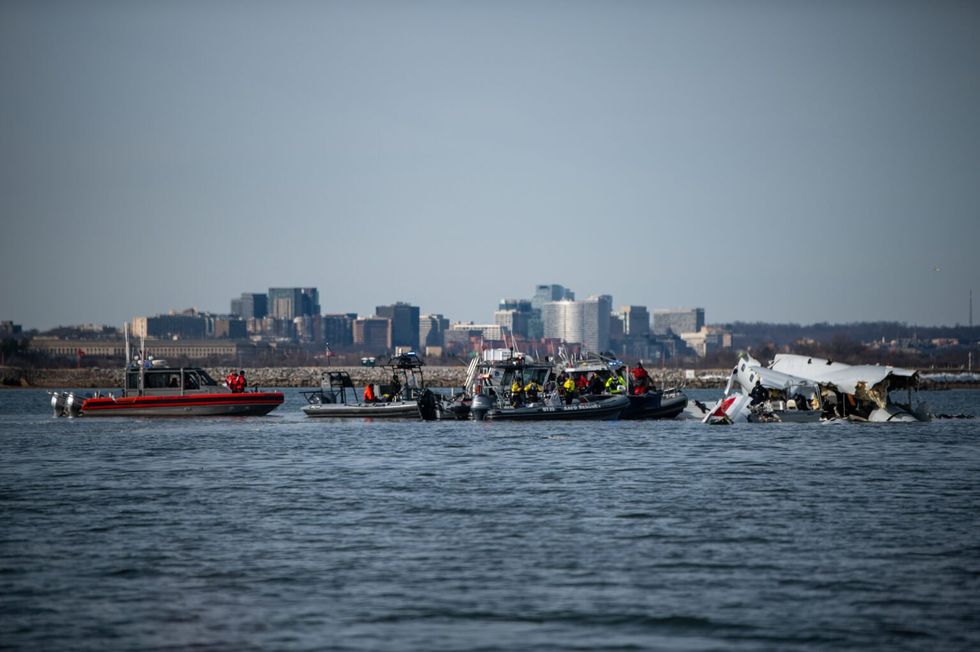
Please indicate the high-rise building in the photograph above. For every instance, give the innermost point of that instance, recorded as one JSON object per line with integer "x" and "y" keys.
{"x": 515, "y": 322}
{"x": 432, "y": 330}
{"x": 250, "y": 305}
{"x": 311, "y": 302}
{"x": 289, "y": 303}
{"x": 677, "y": 320}
{"x": 372, "y": 334}
{"x": 579, "y": 322}
{"x": 595, "y": 322}
{"x": 404, "y": 323}
{"x": 630, "y": 333}
{"x": 338, "y": 329}
{"x": 636, "y": 321}
{"x": 546, "y": 293}
{"x": 226, "y": 327}
{"x": 562, "y": 320}
{"x": 517, "y": 315}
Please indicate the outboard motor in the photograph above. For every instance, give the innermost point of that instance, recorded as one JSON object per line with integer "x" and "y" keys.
{"x": 480, "y": 406}
{"x": 428, "y": 405}
{"x": 73, "y": 405}
{"x": 58, "y": 404}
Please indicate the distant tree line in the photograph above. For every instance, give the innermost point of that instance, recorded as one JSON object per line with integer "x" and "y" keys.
{"x": 759, "y": 333}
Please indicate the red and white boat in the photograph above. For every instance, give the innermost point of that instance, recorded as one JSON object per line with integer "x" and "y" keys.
{"x": 159, "y": 390}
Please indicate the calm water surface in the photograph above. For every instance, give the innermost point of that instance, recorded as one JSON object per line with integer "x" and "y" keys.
{"x": 289, "y": 533}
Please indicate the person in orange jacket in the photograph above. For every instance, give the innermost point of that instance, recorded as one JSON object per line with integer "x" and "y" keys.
{"x": 369, "y": 396}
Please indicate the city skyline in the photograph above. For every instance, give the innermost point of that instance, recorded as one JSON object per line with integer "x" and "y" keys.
{"x": 771, "y": 162}
{"x": 489, "y": 316}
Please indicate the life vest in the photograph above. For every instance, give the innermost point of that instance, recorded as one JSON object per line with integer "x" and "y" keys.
{"x": 569, "y": 385}
{"x": 532, "y": 389}
{"x": 614, "y": 385}
{"x": 369, "y": 396}
{"x": 238, "y": 384}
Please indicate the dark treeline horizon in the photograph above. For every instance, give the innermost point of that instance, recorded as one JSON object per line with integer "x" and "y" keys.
{"x": 787, "y": 333}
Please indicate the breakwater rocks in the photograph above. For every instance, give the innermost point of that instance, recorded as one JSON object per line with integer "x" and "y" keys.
{"x": 435, "y": 376}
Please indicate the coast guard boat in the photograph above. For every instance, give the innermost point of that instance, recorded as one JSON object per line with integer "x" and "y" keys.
{"x": 154, "y": 389}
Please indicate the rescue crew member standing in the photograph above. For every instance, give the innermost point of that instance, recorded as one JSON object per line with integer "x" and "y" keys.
{"x": 516, "y": 393}
{"x": 641, "y": 379}
{"x": 238, "y": 383}
{"x": 531, "y": 391}
{"x": 569, "y": 390}
{"x": 369, "y": 396}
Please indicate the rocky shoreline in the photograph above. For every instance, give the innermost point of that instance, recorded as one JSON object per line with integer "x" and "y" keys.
{"x": 435, "y": 376}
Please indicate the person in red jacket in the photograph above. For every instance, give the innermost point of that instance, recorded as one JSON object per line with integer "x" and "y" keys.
{"x": 238, "y": 383}
{"x": 641, "y": 379}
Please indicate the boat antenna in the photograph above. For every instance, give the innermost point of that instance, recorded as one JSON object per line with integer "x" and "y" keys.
{"x": 126, "y": 338}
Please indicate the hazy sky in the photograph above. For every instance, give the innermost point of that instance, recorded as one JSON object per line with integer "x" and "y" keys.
{"x": 776, "y": 161}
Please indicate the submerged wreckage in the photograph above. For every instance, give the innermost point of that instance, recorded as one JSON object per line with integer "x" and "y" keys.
{"x": 799, "y": 388}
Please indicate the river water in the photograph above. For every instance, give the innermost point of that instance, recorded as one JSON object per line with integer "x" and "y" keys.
{"x": 289, "y": 533}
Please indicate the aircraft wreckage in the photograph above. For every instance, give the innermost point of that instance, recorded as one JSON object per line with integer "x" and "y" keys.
{"x": 801, "y": 388}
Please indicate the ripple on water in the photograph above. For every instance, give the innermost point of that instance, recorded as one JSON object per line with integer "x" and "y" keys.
{"x": 291, "y": 533}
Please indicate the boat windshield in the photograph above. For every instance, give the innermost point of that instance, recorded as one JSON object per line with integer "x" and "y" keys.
{"x": 205, "y": 378}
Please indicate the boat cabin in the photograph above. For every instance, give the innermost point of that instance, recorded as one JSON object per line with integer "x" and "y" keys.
{"x": 499, "y": 375}
{"x": 168, "y": 381}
